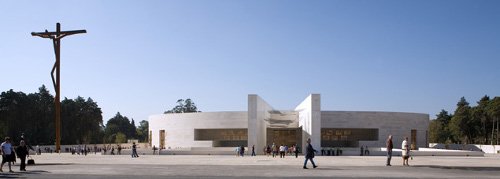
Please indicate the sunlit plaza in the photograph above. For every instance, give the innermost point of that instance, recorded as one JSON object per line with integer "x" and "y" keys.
{"x": 229, "y": 166}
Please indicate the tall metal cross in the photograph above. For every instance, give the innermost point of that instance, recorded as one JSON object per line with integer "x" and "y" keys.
{"x": 56, "y": 39}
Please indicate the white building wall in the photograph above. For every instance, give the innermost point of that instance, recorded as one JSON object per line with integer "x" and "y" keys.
{"x": 310, "y": 120}
{"x": 179, "y": 127}
{"x": 397, "y": 124}
{"x": 258, "y": 113}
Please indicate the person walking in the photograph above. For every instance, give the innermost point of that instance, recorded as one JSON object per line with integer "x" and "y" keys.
{"x": 253, "y": 150}
{"x": 274, "y": 149}
{"x": 389, "y": 147}
{"x": 405, "y": 151}
{"x": 154, "y": 149}
{"x": 7, "y": 154}
{"x": 134, "y": 150}
{"x": 119, "y": 149}
{"x": 296, "y": 150}
{"x": 268, "y": 150}
{"x": 309, "y": 154}
{"x": 242, "y": 151}
{"x": 282, "y": 151}
{"x": 22, "y": 153}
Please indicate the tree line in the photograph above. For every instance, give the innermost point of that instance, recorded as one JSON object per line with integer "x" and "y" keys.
{"x": 32, "y": 115}
{"x": 477, "y": 124}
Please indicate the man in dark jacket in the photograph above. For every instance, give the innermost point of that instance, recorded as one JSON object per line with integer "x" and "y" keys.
{"x": 309, "y": 154}
{"x": 22, "y": 152}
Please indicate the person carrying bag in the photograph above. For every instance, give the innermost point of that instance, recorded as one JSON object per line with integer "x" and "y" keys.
{"x": 22, "y": 152}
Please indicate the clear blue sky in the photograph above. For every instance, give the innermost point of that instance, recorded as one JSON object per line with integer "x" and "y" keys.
{"x": 139, "y": 57}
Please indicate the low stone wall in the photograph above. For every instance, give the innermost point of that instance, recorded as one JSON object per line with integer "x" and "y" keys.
{"x": 490, "y": 149}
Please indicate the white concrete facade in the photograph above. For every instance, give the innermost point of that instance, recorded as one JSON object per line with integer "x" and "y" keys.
{"x": 258, "y": 112}
{"x": 310, "y": 120}
{"x": 180, "y": 128}
{"x": 397, "y": 124}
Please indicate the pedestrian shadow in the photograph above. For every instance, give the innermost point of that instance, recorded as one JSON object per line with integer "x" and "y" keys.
{"x": 34, "y": 172}
{"x": 325, "y": 168}
{"x": 22, "y": 174}
{"x": 39, "y": 164}
{"x": 9, "y": 175}
{"x": 461, "y": 168}
{"x": 19, "y": 174}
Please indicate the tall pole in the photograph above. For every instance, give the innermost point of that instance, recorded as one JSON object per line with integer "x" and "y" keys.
{"x": 57, "y": 43}
{"x": 56, "y": 40}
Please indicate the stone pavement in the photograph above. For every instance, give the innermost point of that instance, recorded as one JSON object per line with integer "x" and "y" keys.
{"x": 228, "y": 166}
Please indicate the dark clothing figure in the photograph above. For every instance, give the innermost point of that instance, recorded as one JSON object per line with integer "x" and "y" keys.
{"x": 253, "y": 150}
{"x": 242, "y": 151}
{"x": 309, "y": 154}
{"x": 389, "y": 146}
{"x": 134, "y": 151}
{"x": 119, "y": 149}
{"x": 296, "y": 151}
{"x": 268, "y": 150}
{"x": 22, "y": 152}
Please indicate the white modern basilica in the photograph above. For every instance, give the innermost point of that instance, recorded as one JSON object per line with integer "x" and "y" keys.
{"x": 263, "y": 125}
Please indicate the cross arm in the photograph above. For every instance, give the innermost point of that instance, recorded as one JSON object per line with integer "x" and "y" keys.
{"x": 62, "y": 33}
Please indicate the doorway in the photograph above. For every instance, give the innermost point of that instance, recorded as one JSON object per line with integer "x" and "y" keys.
{"x": 413, "y": 139}
{"x": 162, "y": 139}
{"x": 150, "y": 137}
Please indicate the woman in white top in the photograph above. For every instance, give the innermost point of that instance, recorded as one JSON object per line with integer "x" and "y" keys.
{"x": 405, "y": 151}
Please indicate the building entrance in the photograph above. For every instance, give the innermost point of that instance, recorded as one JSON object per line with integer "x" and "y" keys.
{"x": 162, "y": 139}
{"x": 284, "y": 136}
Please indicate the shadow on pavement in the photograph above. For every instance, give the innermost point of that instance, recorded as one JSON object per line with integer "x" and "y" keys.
{"x": 21, "y": 174}
{"x": 324, "y": 168}
{"x": 461, "y": 168}
{"x": 52, "y": 164}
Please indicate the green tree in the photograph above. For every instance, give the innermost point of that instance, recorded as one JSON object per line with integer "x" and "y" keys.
{"x": 462, "y": 125}
{"x": 480, "y": 113}
{"x": 43, "y": 118}
{"x": 120, "y": 138}
{"x": 16, "y": 112}
{"x": 33, "y": 115}
{"x": 494, "y": 112}
{"x": 439, "y": 131}
{"x": 184, "y": 106}
{"x": 120, "y": 124}
{"x": 83, "y": 118}
{"x": 142, "y": 131}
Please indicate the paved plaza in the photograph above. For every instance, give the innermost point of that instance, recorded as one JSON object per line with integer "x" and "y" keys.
{"x": 227, "y": 166}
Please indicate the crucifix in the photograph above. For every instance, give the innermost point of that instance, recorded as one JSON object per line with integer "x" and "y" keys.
{"x": 56, "y": 39}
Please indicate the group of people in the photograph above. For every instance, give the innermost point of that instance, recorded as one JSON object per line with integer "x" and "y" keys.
{"x": 331, "y": 151}
{"x": 240, "y": 151}
{"x": 310, "y": 151}
{"x": 9, "y": 154}
{"x": 405, "y": 151}
{"x": 282, "y": 150}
